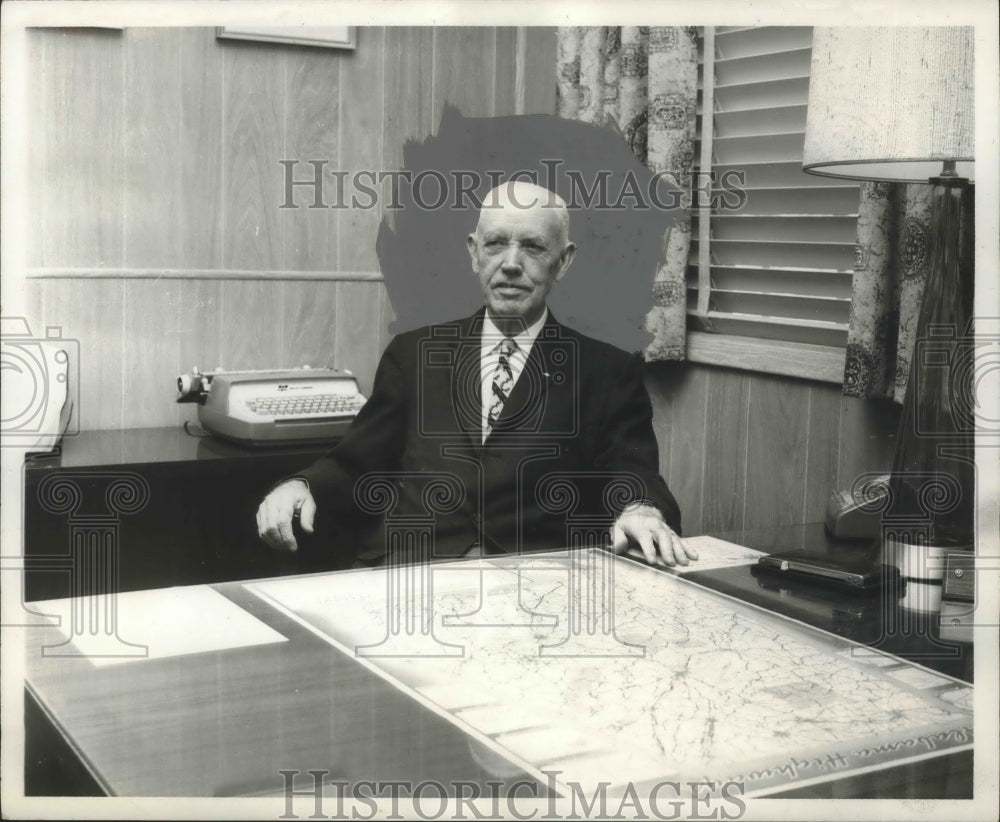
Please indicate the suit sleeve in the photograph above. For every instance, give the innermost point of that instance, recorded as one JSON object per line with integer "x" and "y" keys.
{"x": 627, "y": 441}
{"x": 374, "y": 442}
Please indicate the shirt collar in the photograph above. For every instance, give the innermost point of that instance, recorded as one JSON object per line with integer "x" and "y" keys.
{"x": 525, "y": 339}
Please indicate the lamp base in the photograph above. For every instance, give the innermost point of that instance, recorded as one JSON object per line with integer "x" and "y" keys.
{"x": 922, "y": 568}
{"x": 932, "y": 486}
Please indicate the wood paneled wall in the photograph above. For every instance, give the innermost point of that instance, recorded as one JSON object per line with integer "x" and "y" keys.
{"x": 157, "y": 150}
{"x": 741, "y": 449}
{"x": 157, "y": 190}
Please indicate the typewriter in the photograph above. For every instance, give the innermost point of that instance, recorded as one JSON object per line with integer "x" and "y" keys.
{"x": 273, "y": 407}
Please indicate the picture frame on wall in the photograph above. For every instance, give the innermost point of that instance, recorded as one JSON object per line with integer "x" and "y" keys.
{"x": 331, "y": 37}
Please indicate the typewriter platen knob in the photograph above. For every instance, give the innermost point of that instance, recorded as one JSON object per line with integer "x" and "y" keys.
{"x": 190, "y": 387}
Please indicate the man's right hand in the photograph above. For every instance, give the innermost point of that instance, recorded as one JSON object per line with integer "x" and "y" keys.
{"x": 289, "y": 501}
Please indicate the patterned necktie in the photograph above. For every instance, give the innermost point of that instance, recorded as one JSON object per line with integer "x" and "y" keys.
{"x": 503, "y": 381}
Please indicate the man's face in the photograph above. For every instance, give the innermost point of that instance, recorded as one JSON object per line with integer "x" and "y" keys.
{"x": 518, "y": 254}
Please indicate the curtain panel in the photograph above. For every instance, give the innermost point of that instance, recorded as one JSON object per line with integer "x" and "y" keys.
{"x": 643, "y": 81}
{"x": 890, "y": 266}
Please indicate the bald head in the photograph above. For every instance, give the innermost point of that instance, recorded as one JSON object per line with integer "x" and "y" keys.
{"x": 525, "y": 196}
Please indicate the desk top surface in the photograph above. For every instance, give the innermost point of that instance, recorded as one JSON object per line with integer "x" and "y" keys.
{"x": 146, "y": 446}
{"x": 717, "y": 688}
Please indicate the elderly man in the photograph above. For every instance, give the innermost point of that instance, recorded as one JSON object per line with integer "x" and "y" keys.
{"x": 535, "y": 426}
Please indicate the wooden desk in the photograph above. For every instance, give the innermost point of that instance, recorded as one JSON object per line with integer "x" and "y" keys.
{"x": 196, "y": 524}
{"x": 226, "y": 722}
{"x": 874, "y": 620}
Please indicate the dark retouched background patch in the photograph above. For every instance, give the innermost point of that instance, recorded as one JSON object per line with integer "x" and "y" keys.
{"x": 608, "y": 289}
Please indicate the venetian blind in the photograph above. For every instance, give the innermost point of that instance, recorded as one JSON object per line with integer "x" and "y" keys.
{"x": 778, "y": 267}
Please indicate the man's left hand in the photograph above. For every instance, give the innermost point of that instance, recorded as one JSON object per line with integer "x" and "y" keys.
{"x": 645, "y": 526}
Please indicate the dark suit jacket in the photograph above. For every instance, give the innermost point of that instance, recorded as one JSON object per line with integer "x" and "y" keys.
{"x": 573, "y": 445}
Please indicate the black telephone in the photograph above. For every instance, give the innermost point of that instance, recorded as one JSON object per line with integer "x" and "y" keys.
{"x": 857, "y": 513}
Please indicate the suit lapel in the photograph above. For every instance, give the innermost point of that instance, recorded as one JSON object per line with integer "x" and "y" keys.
{"x": 466, "y": 385}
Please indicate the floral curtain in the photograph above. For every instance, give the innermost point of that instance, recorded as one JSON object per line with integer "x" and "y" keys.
{"x": 643, "y": 80}
{"x": 891, "y": 260}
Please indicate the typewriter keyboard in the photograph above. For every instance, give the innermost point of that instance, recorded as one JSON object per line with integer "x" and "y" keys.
{"x": 313, "y": 404}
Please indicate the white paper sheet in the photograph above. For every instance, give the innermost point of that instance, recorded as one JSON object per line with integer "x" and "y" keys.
{"x": 111, "y": 629}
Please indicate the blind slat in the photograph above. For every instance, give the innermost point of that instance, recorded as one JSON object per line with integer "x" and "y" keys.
{"x": 763, "y": 40}
{"x": 773, "y": 201}
{"x": 836, "y": 256}
{"x": 782, "y": 65}
{"x": 767, "y": 93}
{"x": 763, "y": 149}
{"x": 781, "y": 306}
{"x": 780, "y": 174}
{"x": 804, "y": 228}
{"x": 768, "y": 120}
{"x": 797, "y": 281}
{"x": 772, "y": 329}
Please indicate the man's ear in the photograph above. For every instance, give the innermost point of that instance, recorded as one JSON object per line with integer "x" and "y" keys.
{"x": 566, "y": 260}
{"x": 473, "y": 246}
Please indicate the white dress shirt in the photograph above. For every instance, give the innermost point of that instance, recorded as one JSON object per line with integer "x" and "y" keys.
{"x": 490, "y": 356}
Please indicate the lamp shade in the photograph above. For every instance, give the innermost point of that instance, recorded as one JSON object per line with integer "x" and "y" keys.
{"x": 890, "y": 103}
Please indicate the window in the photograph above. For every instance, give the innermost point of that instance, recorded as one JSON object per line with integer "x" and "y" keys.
{"x": 769, "y": 283}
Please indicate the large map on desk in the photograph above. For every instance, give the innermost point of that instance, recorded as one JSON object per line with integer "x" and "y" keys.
{"x": 604, "y": 670}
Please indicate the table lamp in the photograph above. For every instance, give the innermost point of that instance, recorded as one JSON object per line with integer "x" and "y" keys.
{"x": 895, "y": 104}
